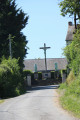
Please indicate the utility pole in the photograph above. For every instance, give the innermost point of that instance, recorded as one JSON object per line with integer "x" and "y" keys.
{"x": 45, "y": 48}
{"x": 10, "y": 49}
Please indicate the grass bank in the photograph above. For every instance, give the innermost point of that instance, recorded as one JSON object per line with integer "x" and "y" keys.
{"x": 70, "y": 96}
{"x": 1, "y": 101}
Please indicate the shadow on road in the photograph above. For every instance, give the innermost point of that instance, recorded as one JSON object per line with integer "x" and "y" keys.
{"x": 43, "y": 87}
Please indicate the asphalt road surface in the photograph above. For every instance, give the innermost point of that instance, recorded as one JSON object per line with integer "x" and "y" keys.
{"x": 37, "y": 104}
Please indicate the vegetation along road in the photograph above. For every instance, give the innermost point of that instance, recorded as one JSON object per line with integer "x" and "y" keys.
{"x": 40, "y": 103}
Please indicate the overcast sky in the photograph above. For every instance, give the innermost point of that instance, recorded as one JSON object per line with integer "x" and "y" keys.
{"x": 45, "y": 25}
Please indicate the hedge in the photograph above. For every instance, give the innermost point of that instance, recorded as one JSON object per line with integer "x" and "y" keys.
{"x": 10, "y": 78}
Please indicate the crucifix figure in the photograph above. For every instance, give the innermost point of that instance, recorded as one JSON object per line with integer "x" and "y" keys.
{"x": 45, "y": 48}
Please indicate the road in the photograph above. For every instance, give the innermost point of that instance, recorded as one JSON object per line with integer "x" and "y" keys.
{"x": 37, "y": 104}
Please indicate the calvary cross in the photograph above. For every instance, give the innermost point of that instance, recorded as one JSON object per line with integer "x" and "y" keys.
{"x": 45, "y": 48}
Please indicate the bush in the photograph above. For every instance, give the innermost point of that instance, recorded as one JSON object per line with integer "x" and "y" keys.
{"x": 27, "y": 72}
{"x": 74, "y": 87}
{"x": 52, "y": 74}
{"x": 63, "y": 86}
{"x": 9, "y": 78}
{"x": 70, "y": 100}
{"x": 39, "y": 75}
{"x": 70, "y": 78}
{"x": 5, "y": 80}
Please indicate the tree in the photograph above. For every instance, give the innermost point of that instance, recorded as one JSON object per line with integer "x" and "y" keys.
{"x": 72, "y": 52}
{"x": 71, "y": 7}
{"x": 10, "y": 78}
{"x": 12, "y": 21}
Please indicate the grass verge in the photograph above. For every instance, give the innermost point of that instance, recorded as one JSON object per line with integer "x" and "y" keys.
{"x": 1, "y": 101}
{"x": 70, "y": 97}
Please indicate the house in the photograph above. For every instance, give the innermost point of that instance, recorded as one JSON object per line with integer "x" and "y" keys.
{"x": 40, "y": 65}
{"x": 30, "y": 64}
{"x": 70, "y": 32}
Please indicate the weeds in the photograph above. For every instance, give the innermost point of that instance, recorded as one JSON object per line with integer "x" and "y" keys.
{"x": 1, "y": 101}
{"x": 70, "y": 96}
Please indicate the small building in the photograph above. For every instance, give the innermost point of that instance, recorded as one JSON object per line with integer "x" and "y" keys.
{"x": 70, "y": 32}
{"x": 30, "y": 63}
{"x": 40, "y": 64}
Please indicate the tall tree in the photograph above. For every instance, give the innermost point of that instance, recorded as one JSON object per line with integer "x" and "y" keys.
{"x": 71, "y": 7}
{"x": 12, "y": 21}
{"x": 72, "y": 52}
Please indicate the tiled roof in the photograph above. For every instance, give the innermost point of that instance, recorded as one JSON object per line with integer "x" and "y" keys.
{"x": 29, "y": 64}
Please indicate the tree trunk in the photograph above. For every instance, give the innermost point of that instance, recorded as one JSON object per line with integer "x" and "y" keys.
{"x": 75, "y": 21}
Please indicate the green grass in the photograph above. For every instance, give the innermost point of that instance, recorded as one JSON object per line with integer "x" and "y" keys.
{"x": 70, "y": 96}
{"x": 71, "y": 103}
{"x": 1, "y": 101}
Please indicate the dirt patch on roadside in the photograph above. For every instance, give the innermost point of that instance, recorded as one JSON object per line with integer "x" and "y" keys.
{"x": 58, "y": 104}
{"x": 57, "y": 99}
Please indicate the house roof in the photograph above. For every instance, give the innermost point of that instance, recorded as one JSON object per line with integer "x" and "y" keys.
{"x": 30, "y": 63}
{"x": 70, "y": 31}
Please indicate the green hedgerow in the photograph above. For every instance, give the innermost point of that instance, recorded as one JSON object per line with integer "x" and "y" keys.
{"x": 9, "y": 77}
{"x": 70, "y": 100}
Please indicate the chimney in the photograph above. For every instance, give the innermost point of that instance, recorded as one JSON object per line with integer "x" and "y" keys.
{"x": 69, "y": 23}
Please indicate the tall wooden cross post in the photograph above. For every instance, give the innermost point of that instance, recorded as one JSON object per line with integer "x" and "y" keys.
{"x": 45, "y": 48}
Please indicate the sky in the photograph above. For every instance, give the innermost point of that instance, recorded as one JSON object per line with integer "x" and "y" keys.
{"x": 45, "y": 25}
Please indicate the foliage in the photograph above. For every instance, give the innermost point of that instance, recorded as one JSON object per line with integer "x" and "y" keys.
{"x": 39, "y": 75}
{"x": 70, "y": 100}
{"x": 52, "y": 74}
{"x": 63, "y": 86}
{"x": 1, "y": 101}
{"x": 27, "y": 72}
{"x": 70, "y": 78}
{"x": 10, "y": 78}
{"x": 63, "y": 71}
{"x": 70, "y": 6}
{"x": 12, "y": 21}
{"x": 12, "y": 63}
{"x": 72, "y": 53}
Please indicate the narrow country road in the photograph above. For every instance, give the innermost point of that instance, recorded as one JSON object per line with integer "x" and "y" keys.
{"x": 36, "y": 104}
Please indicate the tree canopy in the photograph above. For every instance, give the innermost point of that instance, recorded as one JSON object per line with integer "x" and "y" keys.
{"x": 71, "y": 7}
{"x": 72, "y": 52}
{"x": 10, "y": 78}
{"x": 12, "y": 21}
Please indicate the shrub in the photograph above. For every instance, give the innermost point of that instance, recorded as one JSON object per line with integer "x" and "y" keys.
{"x": 5, "y": 80}
{"x": 52, "y": 74}
{"x": 70, "y": 78}
{"x": 63, "y": 86}
{"x": 70, "y": 100}
{"x": 39, "y": 75}
{"x": 9, "y": 77}
{"x": 27, "y": 72}
{"x": 74, "y": 87}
